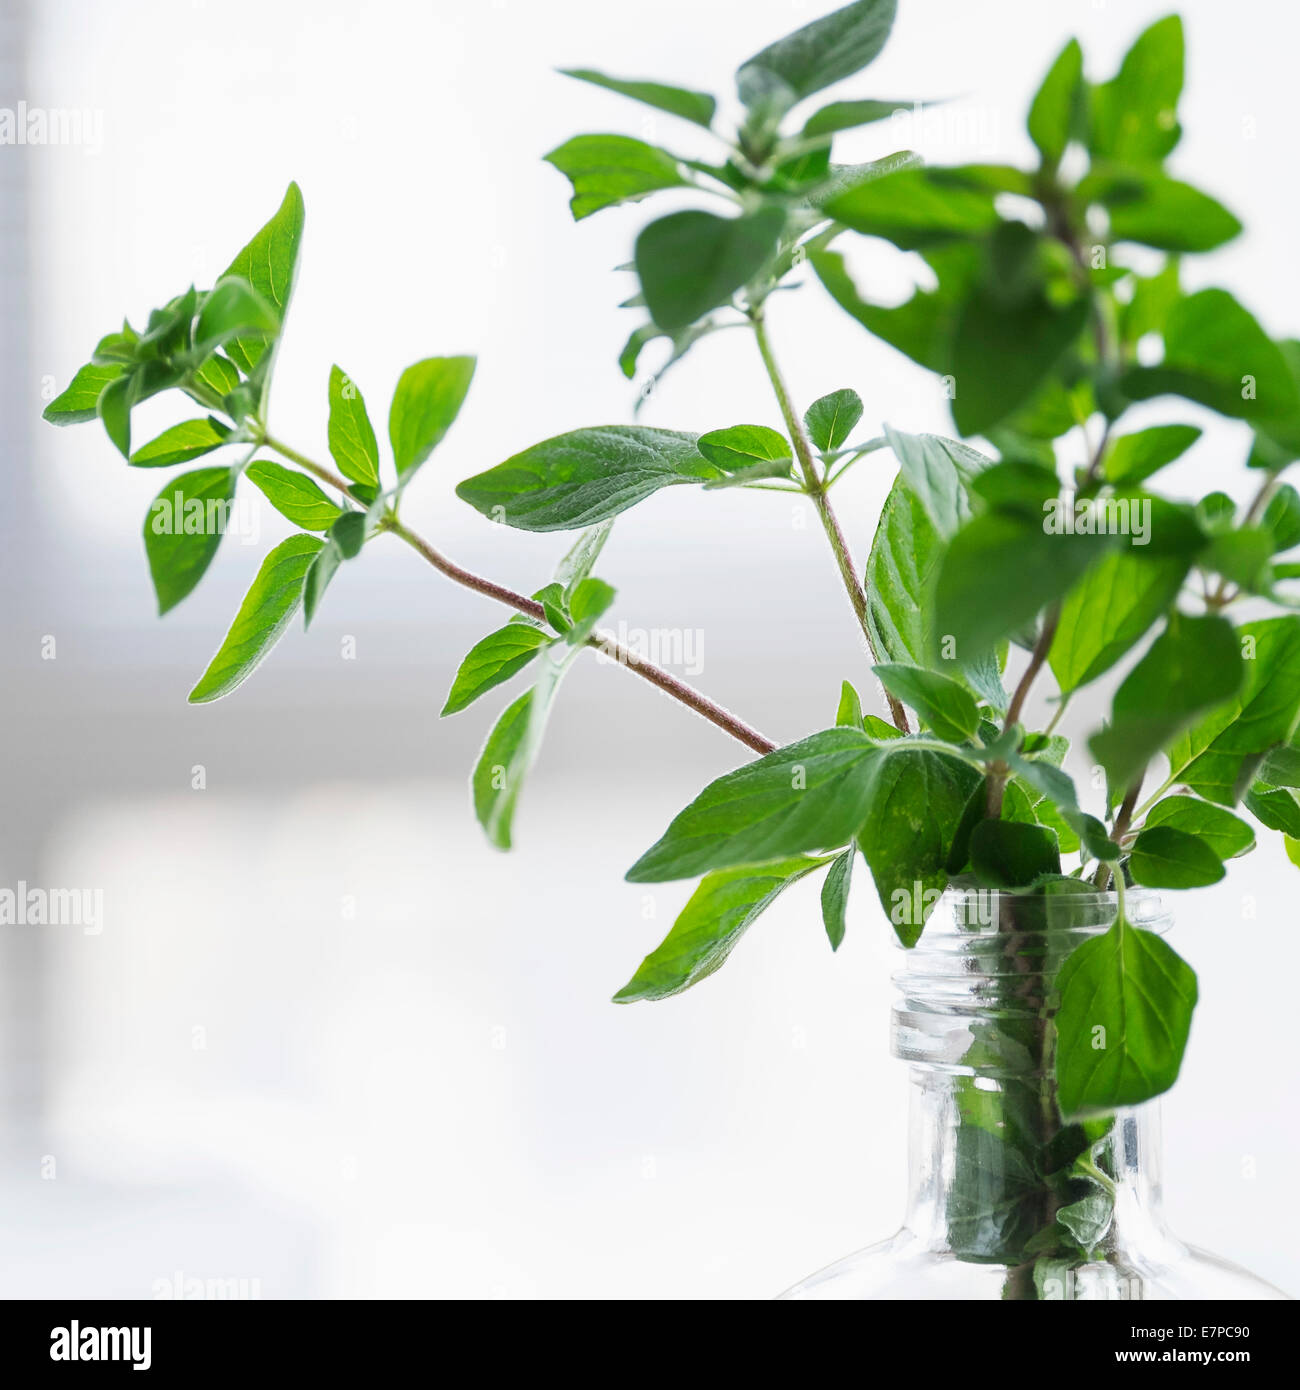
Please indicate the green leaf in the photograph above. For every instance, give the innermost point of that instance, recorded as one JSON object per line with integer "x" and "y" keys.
{"x": 189, "y": 440}
{"x": 940, "y": 472}
{"x": 915, "y": 801}
{"x": 1009, "y": 854}
{"x": 1054, "y": 114}
{"x": 585, "y": 476}
{"x": 1224, "y": 834}
{"x": 496, "y": 778}
{"x": 980, "y": 598}
{"x": 294, "y": 495}
{"x": 1133, "y": 457}
{"x": 234, "y": 309}
{"x": 1153, "y": 297}
{"x": 1107, "y": 613}
{"x": 114, "y": 407}
{"x": 1058, "y": 805}
{"x": 269, "y": 263}
{"x": 691, "y": 262}
{"x": 743, "y": 446}
{"x": 947, "y": 707}
{"x": 492, "y": 661}
{"x": 512, "y": 748}
{"x": 267, "y": 608}
{"x": 588, "y": 603}
{"x": 1218, "y": 756}
{"x": 754, "y": 473}
{"x": 845, "y": 115}
{"x": 921, "y": 327}
{"x": 320, "y": 572}
{"x": 1016, "y": 806}
{"x": 1088, "y": 1219}
{"x": 835, "y": 896}
{"x": 428, "y": 398}
{"x": 810, "y": 795}
{"x": 1164, "y": 857}
{"x": 1242, "y": 555}
{"x": 117, "y": 348}
{"x": 1002, "y": 353}
{"x": 849, "y": 713}
{"x": 552, "y": 599}
{"x": 77, "y": 403}
{"x": 606, "y": 170}
{"x": 631, "y": 354}
{"x": 1281, "y": 768}
{"x": 1161, "y": 212}
{"x": 216, "y": 375}
{"x": 1217, "y": 354}
{"x": 1194, "y": 665}
{"x": 1126, "y": 1009}
{"x": 183, "y": 530}
{"x": 1135, "y": 115}
{"x": 718, "y": 914}
{"x": 915, "y": 209}
{"x": 348, "y": 532}
{"x": 351, "y": 436}
{"x": 901, "y": 569}
{"x": 831, "y": 419}
{"x": 677, "y": 101}
{"x": 1275, "y": 807}
{"x": 815, "y": 56}
{"x": 1282, "y": 518}
{"x": 996, "y": 1198}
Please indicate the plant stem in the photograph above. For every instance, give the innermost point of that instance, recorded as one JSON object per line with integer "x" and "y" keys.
{"x": 1123, "y": 819}
{"x": 815, "y": 487}
{"x": 998, "y": 774}
{"x": 316, "y": 469}
{"x": 669, "y": 684}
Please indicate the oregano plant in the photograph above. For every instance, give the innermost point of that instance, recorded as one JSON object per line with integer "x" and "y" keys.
{"x": 1047, "y": 550}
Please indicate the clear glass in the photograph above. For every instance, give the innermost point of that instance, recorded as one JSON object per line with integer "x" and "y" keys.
{"x": 1005, "y": 1200}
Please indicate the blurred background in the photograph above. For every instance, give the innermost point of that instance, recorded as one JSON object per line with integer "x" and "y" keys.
{"x": 328, "y": 1041}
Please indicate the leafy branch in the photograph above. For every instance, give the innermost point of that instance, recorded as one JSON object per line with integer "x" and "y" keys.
{"x": 1096, "y": 570}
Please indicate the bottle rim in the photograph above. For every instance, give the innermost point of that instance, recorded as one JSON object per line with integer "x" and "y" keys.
{"x": 960, "y": 914}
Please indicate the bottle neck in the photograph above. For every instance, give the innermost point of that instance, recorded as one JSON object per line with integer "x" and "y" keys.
{"x": 998, "y": 1175}
{"x": 976, "y": 1197}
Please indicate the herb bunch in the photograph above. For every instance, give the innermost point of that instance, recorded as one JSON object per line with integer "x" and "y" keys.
{"x": 1045, "y": 327}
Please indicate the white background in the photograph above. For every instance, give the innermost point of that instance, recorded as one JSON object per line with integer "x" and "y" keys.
{"x": 432, "y": 1096}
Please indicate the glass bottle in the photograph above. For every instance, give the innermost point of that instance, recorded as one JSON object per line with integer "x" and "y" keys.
{"x": 1006, "y": 1201}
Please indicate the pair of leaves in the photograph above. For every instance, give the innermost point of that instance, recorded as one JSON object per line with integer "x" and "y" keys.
{"x": 516, "y": 738}
{"x": 573, "y": 602}
{"x": 900, "y": 799}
